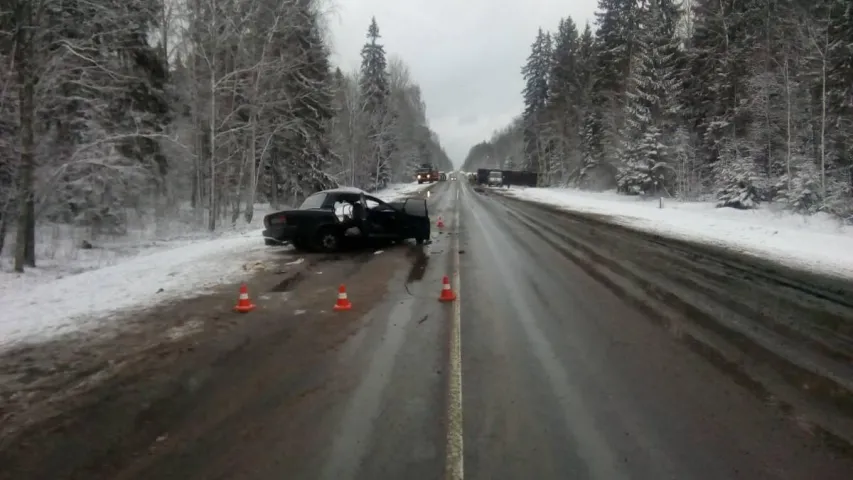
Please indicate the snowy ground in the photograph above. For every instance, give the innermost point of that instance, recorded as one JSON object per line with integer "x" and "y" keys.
{"x": 75, "y": 289}
{"x": 817, "y": 242}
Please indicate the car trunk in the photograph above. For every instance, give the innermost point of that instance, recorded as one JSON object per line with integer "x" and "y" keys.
{"x": 293, "y": 217}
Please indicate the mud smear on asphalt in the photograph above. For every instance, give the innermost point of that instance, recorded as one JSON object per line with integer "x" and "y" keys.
{"x": 312, "y": 261}
{"x": 419, "y": 264}
{"x": 288, "y": 283}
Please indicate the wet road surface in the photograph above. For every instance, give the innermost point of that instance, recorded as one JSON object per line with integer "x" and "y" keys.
{"x": 538, "y": 371}
{"x": 563, "y": 378}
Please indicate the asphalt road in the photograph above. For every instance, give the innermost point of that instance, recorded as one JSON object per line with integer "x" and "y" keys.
{"x": 562, "y": 378}
{"x": 538, "y": 371}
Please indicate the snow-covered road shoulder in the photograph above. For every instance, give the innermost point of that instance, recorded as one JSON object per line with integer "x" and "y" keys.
{"x": 41, "y": 304}
{"x": 79, "y": 302}
{"x": 817, "y": 243}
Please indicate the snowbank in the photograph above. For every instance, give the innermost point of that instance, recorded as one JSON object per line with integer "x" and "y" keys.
{"x": 818, "y": 243}
{"x": 397, "y": 190}
{"x": 79, "y": 293}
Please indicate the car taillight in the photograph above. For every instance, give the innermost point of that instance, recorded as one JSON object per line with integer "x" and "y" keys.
{"x": 279, "y": 220}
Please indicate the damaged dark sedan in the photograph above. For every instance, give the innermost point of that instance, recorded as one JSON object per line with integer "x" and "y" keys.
{"x": 333, "y": 219}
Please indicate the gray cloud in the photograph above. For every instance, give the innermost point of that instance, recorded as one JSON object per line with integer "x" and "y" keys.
{"x": 466, "y": 56}
{"x": 468, "y": 119}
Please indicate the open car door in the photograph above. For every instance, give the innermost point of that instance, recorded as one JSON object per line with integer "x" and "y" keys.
{"x": 360, "y": 215}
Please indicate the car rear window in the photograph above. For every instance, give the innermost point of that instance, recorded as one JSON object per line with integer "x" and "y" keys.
{"x": 313, "y": 201}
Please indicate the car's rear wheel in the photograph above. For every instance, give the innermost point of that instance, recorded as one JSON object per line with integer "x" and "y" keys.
{"x": 327, "y": 240}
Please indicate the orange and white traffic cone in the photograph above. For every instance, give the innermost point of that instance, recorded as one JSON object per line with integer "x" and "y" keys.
{"x": 244, "y": 305}
{"x": 447, "y": 294}
{"x": 343, "y": 302}
{"x": 440, "y": 223}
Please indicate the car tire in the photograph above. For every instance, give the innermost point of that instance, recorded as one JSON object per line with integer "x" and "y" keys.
{"x": 327, "y": 240}
{"x": 420, "y": 240}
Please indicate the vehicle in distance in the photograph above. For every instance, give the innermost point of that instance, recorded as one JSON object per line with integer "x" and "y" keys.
{"x": 426, "y": 173}
{"x": 496, "y": 178}
{"x": 442, "y": 176}
{"x": 333, "y": 219}
{"x": 452, "y": 176}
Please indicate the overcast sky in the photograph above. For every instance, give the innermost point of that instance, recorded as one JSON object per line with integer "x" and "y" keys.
{"x": 465, "y": 54}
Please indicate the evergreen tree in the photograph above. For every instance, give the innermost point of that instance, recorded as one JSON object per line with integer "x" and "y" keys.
{"x": 840, "y": 96}
{"x": 652, "y": 104}
{"x": 590, "y": 124}
{"x": 745, "y": 100}
{"x": 375, "y": 91}
{"x": 615, "y": 48}
{"x": 535, "y": 92}
{"x": 564, "y": 99}
{"x": 724, "y": 36}
{"x": 310, "y": 86}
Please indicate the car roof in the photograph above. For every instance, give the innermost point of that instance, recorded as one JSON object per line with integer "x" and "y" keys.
{"x": 351, "y": 192}
{"x": 345, "y": 190}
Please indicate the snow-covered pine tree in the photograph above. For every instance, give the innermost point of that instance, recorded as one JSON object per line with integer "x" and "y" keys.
{"x": 839, "y": 199}
{"x": 565, "y": 100}
{"x": 766, "y": 101}
{"x": 535, "y": 93}
{"x": 375, "y": 91}
{"x": 589, "y": 128}
{"x": 651, "y": 105}
{"x": 309, "y": 88}
{"x": 724, "y": 36}
{"x": 617, "y": 25}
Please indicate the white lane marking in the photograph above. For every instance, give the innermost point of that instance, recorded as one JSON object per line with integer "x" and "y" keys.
{"x": 454, "y": 469}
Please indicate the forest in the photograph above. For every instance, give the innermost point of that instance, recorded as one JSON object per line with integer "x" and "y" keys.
{"x": 131, "y": 112}
{"x": 742, "y": 102}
